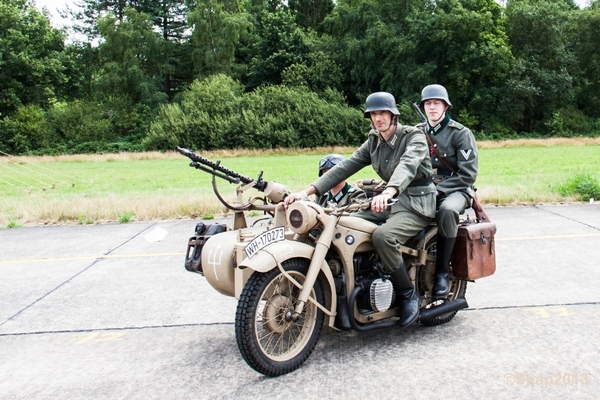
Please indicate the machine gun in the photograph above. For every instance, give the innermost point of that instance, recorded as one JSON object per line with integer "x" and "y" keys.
{"x": 274, "y": 192}
{"x": 216, "y": 169}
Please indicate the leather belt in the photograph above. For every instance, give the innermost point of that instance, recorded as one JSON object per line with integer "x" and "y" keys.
{"x": 421, "y": 182}
{"x": 444, "y": 171}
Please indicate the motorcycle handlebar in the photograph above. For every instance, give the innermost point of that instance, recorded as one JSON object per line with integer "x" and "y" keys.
{"x": 357, "y": 205}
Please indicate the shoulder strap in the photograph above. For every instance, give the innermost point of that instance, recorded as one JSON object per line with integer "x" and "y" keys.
{"x": 435, "y": 150}
{"x": 480, "y": 213}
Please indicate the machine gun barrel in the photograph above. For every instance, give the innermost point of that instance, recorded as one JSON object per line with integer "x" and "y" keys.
{"x": 216, "y": 169}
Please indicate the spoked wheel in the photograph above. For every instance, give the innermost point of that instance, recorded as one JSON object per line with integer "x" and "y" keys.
{"x": 269, "y": 340}
{"x": 424, "y": 283}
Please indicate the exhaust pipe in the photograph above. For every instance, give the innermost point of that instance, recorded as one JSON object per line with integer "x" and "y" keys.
{"x": 424, "y": 314}
{"x": 369, "y": 327}
{"x": 448, "y": 307}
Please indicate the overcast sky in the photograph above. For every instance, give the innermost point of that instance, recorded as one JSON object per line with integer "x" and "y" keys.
{"x": 52, "y": 6}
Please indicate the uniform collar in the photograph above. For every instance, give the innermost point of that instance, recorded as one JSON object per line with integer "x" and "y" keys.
{"x": 393, "y": 139}
{"x": 434, "y": 130}
{"x": 340, "y": 194}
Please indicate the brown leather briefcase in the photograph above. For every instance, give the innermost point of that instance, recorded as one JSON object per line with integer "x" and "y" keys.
{"x": 474, "y": 253}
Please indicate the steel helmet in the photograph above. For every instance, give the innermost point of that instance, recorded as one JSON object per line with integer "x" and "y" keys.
{"x": 380, "y": 101}
{"x": 435, "y": 92}
{"x": 329, "y": 161}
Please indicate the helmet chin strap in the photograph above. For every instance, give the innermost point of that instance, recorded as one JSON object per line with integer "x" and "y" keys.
{"x": 393, "y": 122}
{"x": 440, "y": 119}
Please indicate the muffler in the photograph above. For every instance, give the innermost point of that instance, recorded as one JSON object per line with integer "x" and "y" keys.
{"x": 445, "y": 308}
{"x": 424, "y": 314}
{"x": 369, "y": 327}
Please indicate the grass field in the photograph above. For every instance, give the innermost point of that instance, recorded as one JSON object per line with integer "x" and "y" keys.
{"x": 89, "y": 189}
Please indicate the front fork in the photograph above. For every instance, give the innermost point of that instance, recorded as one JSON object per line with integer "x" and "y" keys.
{"x": 321, "y": 249}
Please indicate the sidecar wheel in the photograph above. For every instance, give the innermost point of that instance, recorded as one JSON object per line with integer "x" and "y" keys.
{"x": 424, "y": 283}
{"x": 268, "y": 342}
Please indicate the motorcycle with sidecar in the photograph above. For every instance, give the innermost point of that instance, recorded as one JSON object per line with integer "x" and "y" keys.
{"x": 304, "y": 267}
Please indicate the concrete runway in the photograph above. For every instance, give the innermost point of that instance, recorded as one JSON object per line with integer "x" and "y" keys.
{"x": 109, "y": 312}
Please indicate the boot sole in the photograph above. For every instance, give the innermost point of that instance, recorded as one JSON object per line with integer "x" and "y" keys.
{"x": 410, "y": 322}
{"x": 440, "y": 296}
{"x": 415, "y": 318}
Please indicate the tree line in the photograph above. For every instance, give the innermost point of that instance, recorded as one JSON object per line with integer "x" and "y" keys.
{"x": 206, "y": 74}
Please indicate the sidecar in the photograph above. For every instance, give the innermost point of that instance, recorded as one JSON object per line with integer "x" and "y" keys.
{"x": 225, "y": 256}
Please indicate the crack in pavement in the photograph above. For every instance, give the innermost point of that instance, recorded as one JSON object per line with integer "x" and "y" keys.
{"x": 74, "y": 276}
{"x": 125, "y": 328}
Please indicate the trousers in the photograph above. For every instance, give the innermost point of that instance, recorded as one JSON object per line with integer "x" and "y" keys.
{"x": 394, "y": 230}
{"x": 448, "y": 211}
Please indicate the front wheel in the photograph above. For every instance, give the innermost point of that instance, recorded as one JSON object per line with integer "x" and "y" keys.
{"x": 269, "y": 341}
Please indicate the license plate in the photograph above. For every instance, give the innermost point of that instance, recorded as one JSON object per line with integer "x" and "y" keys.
{"x": 264, "y": 239}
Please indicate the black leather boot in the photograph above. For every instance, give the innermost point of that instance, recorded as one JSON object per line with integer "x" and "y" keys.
{"x": 441, "y": 284}
{"x": 406, "y": 296}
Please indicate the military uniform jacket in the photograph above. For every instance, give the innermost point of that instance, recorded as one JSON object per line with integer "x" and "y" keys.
{"x": 398, "y": 161}
{"x": 343, "y": 198}
{"x": 457, "y": 145}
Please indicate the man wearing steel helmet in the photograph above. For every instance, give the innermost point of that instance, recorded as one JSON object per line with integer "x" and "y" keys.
{"x": 399, "y": 155}
{"x": 454, "y": 157}
{"x": 341, "y": 194}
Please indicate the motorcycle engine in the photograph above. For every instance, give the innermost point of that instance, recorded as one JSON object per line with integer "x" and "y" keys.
{"x": 377, "y": 295}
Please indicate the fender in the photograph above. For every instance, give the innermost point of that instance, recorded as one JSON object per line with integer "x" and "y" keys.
{"x": 274, "y": 254}
{"x": 267, "y": 258}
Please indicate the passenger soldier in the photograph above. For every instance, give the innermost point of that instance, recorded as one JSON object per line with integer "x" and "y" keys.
{"x": 343, "y": 193}
{"x": 454, "y": 158}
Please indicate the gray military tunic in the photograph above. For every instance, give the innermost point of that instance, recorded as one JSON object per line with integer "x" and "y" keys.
{"x": 403, "y": 162}
{"x": 343, "y": 198}
{"x": 457, "y": 145}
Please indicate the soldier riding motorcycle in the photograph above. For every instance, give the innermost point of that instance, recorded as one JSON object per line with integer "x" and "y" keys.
{"x": 290, "y": 283}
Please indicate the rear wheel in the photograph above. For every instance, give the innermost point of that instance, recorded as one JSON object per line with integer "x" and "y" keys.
{"x": 424, "y": 279}
{"x": 269, "y": 341}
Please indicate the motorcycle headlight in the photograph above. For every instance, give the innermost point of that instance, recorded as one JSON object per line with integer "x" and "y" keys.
{"x": 302, "y": 217}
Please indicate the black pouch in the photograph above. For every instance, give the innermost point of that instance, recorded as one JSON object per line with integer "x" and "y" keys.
{"x": 193, "y": 257}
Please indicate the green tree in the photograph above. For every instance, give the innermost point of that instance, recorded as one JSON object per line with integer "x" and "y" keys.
{"x": 310, "y": 13}
{"x": 202, "y": 119}
{"x": 462, "y": 45}
{"x": 90, "y": 11}
{"x": 584, "y": 33}
{"x": 130, "y": 55}
{"x": 318, "y": 73}
{"x": 171, "y": 19}
{"x": 129, "y": 81}
{"x": 217, "y": 29}
{"x": 80, "y": 62}
{"x": 282, "y": 43}
{"x": 167, "y": 17}
{"x": 25, "y": 130}
{"x": 215, "y": 113}
{"x": 540, "y": 80}
{"x": 362, "y": 31}
{"x": 31, "y": 57}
